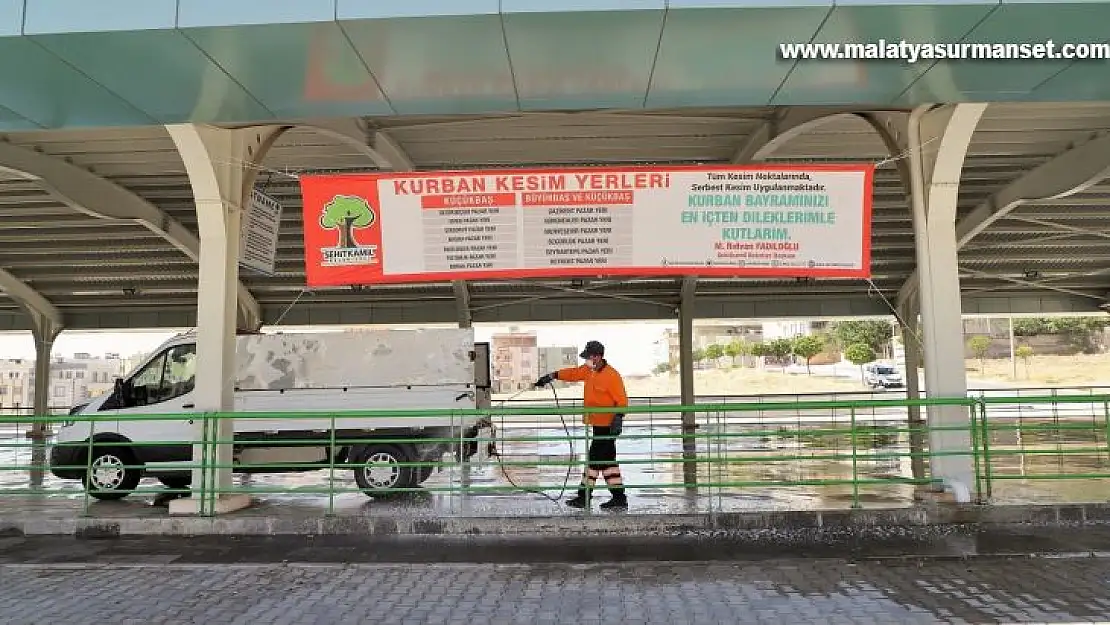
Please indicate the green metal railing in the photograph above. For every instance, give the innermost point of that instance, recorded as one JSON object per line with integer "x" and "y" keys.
{"x": 1052, "y": 448}
{"x": 820, "y": 453}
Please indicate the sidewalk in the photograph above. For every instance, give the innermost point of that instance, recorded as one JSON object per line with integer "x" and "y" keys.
{"x": 1030, "y": 569}
{"x": 807, "y": 592}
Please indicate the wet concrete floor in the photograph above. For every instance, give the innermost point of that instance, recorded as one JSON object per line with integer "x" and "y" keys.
{"x": 744, "y": 467}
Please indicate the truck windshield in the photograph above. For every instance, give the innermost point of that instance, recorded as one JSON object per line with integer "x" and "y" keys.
{"x": 885, "y": 370}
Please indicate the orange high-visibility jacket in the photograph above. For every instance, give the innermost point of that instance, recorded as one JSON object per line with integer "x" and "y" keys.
{"x": 604, "y": 388}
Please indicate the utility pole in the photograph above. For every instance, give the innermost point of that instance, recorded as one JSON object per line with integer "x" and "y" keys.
{"x": 1013, "y": 352}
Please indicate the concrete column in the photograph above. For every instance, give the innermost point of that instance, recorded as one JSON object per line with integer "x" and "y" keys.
{"x": 686, "y": 379}
{"x": 482, "y": 397}
{"x": 221, "y": 174}
{"x": 45, "y": 332}
{"x": 938, "y": 142}
{"x": 911, "y": 329}
{"x": 462, "y": 304}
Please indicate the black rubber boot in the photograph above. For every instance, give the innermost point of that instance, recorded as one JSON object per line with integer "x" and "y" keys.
{"x": 619, "y": 501}
{"x": 582, "y": 500}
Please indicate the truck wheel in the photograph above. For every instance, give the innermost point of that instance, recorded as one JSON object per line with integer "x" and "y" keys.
{"x": 106, "y": 478}
{"x": 378, "y": 469}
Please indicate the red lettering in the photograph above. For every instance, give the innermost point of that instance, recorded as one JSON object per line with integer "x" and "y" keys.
{"x": 531, "y": 182}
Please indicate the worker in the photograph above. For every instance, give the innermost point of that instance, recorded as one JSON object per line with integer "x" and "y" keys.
{"x": 604, "y": 388}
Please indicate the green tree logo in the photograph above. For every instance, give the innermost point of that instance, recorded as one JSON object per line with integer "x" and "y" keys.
{"x": 345, "y": 213}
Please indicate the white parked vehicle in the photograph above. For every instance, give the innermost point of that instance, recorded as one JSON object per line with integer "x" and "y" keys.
{"x": 879, "y": 375}
{"x": 278, "y": 376}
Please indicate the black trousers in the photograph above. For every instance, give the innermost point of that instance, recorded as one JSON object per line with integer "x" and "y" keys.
{"x": 603, "y": 449}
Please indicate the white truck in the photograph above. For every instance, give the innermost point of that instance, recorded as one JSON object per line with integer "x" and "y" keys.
{"x": 278, "y": 376}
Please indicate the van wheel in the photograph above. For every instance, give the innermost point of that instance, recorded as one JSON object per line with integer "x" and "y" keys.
{"x": 378, "y": 469}
{"x": 425, "y": 473}
{"x": 176, "y": 482}
{"x": 107, "y": 478}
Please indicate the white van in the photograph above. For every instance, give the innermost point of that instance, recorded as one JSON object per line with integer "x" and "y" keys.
{"x": 279, "y": 376}
{"x": 882, "y": 375}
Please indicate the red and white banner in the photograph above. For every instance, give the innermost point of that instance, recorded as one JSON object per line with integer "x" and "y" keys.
{"x": 772, "y": 221}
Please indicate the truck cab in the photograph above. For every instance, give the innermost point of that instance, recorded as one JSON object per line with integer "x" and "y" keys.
{"x": 294, "y": 395}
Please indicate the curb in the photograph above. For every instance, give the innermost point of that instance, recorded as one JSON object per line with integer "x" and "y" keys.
{"x": 922, "y": 519}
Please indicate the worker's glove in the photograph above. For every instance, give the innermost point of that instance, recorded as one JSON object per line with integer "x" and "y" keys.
{"x": 545, "y": 380}
{"x": 617, "y": 426}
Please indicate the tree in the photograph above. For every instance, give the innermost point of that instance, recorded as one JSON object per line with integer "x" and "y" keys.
{"x": 874, "y": 333}
{"x": 663, "y": 367}
{"x": 781, "y": 349}
{"x": 979, "y": 345}
{"x": 714, "y": 353}
{"x": 808, "y": 346}
{"x": 1024, "y": 352}
{"x": 735, "y": 350}
{"x": 1032, "y": 326}
{"x": 699, "y": 356}
{"x": 759, "y": 350}
{"x": 1079, "y": 332}
{"x": 345, "y": 213}
{"x": 860, "y": 354}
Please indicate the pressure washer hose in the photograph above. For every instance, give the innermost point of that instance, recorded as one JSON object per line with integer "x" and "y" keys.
{"x": 570, "y": 443}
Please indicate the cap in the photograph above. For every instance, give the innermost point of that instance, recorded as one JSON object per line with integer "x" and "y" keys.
{"x": 593, "y": 348}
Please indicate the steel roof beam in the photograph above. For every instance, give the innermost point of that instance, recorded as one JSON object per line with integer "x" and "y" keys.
{"x": 1029, "y": 283}
{"x": 891, "y": 128}
{"x": 1061, "y": 280}
{"x": 1068, "y": 173}
{"x": 1071, "y": 230}
{"x": 375, "y": 144}
{"x": 36, "y": 305}
{"x": 1071, "y": 172}
{"x": 784, "y": 124}
{"x": 88, "y": 193}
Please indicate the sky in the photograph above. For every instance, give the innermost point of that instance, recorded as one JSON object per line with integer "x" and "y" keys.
{"x": 631, "y": 346}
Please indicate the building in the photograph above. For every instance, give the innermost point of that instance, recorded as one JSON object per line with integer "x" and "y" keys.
{"x": 515, "y": 358}
{"x": 789, "y": 329}
{"x": 712, "y": 332}
{"x": 72, "y": 380}
{"x": 554, "y": 358}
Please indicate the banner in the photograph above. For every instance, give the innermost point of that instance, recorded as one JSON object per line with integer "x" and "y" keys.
{"x": 769, "y": 221}
{"x": 258, "y": 233}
